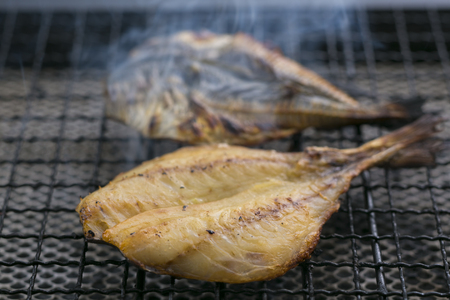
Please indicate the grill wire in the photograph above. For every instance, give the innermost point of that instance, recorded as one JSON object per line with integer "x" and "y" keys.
{"x": 388, "y": 240}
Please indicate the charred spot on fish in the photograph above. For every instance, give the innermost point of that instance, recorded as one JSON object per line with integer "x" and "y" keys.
{"x": 231, "y": 126}
{"x": 192, "y": 170}
{"x": 141, "y": 175}
{"x": 200, "y": 111}
{"x": 157, "y": 235}
{"x": 258, "y": 212}
{"x": 186, "y": 125}
{"x": 210, "y": 231}
{"x": 184, "y": 207}
{"x": 211, "y": 120}
{"x": 196, "y": 106}
{"x": 83, "y": 215}
{"x": 313, "y": 153}
{"x": 290, "y": 91}
{"x": 132, "y": 233}
{"x": 240, "y": 218}
{"x": 153, "y": 123}
{"x": 196, "y": 129}
{"x": 164, "y": 173}
{"x": 191, "y": 125}
{"x": 181, "y": 187}
{"x": 90, "y": 234}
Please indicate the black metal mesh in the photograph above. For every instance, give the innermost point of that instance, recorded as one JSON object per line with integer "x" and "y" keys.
{"x": 388, "y": 240}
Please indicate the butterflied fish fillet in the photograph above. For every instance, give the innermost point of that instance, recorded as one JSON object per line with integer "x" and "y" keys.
{"x": 207, "y": 88}
{"x": 231, "y": 214}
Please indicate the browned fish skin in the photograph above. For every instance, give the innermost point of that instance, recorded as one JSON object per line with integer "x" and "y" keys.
{"x": 261, "y": 215}
{"x": 207, "y": 88}
{"x": 184, "y": 177}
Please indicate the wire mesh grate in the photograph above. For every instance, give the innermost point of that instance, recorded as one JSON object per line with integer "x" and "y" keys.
{"x": 388, "y": 240}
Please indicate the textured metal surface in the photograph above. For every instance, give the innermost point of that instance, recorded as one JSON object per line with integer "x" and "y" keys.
{"x": 388, "y": 240}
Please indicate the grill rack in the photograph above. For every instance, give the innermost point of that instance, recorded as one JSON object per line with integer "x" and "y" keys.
{"x": 366, "y": 249}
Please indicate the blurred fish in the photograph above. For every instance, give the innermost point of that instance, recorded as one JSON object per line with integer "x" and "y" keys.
{"x": 205, "y": 88}
{"x": 228, "y": 213}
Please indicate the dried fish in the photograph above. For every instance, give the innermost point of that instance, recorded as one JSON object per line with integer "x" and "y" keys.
{"x": 205, "y": 88}
{"x": 243, "y": 214}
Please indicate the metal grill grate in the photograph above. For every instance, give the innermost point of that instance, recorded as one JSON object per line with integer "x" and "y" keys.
{"x": 388, "y": 240}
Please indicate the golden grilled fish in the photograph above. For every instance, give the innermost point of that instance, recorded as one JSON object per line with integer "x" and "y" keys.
{"x": 231, "y": 214}
{"x": 207, "y": 88}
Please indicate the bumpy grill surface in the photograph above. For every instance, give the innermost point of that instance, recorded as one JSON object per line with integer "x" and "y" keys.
{"x": 388, "y": 240}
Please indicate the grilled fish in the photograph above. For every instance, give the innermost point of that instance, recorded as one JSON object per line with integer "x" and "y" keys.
{"x": 205, "y": 88}
{"x": 231, "y": 214}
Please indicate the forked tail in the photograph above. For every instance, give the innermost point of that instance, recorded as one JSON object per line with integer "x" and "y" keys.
{"x": 410, "y": 108}
{"x": 383, "y": 148}
{"x": 401, "y": 146}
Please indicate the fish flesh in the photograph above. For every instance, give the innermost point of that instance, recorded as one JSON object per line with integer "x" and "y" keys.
{"x": 228, "y": 213}
{"x": 204, "y": 88}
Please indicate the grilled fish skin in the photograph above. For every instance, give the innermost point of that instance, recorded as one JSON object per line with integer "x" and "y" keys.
{"x": 231, "y": 214}
{"x": 185, "y": 177}
{"x": 204, "y": 88}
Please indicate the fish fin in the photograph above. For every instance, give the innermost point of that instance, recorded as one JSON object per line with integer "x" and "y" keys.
{"x": 421, "y": 129}
{"x": 402, "y": 147}
{"x": 384, "y": 148}
{"x": 412, "y": 105}
{"x": 402, "y": 110}
{"x": 420, "y": 154}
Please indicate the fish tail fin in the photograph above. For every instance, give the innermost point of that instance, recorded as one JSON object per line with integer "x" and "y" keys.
{"x": 383, "y": 148}
{"x": 419, "y": 154}
{"x": 419, "y": 130}
{"x": 396, "y": 113}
